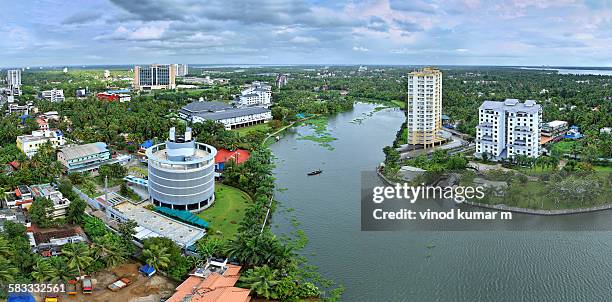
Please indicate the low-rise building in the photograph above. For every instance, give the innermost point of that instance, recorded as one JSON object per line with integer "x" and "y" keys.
{"x": 554, "y": 128}
{"x": 42, "y": 123}
{"x": 81, "y": 158}
{"x": 230, "y": 117}
{"x": 14, "y": 108}
{"x": 607, "y": 130}
{"x": 53, "y": 95}
{"x": 213, "y": 282}
{"x": 257, "y": 94}
{"x": 49, "y": 242}
{"x": 236, "y": 117}
{"x": 223, "y": 156}
{"x": 112, "y": 97}
{"x": 60, "y": 203}
{"x": 29, "y": 144}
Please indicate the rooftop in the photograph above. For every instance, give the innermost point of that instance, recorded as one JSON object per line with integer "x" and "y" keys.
{"x": 152, "y": 224}
{"x": 231, "y": 113}
{"x": 197, "y": 107}
{"x": 78, "y": 151}
{"x": 238, "y": 155}
{"x": 512, "y": 105}
{"x": 557, "y": 123}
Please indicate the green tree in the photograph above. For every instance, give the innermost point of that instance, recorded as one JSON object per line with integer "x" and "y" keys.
{"x": 43, "y": 270}
{"x": 157, "y": 256}
{"x": 261, "y": 280}
{"x": 8, "y": 271}
{"x": 40, "y": 212}
{"x": 76, "y": 210}
{"x": 78, "y": 255}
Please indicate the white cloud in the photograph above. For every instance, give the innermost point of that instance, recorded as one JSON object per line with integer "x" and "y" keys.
{"x": 360, "y": 48}
{"x": 304, "y": 40}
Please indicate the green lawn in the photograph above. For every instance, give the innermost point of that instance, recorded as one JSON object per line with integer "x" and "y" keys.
{"x": 243, "y": 131}
{"x": 227, "y": 211}
{"x": 602, "y": 169}
{"x": 564, "y": 147}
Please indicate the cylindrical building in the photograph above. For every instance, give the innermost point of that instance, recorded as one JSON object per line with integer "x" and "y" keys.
{"x": 182, "y": 173}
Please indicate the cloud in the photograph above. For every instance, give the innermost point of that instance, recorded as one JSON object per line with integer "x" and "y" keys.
{"x": 377, "y": 24}
{"x": 360, "y": 48}
{"x": 81, "y": 18}
{"x": 304, "y": 40}
{"x": 412, "y": 6}
{"x": 407, "y": 26}
{"x": 153, "y": 31}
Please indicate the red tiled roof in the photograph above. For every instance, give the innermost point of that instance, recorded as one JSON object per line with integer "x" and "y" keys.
{"x": 14, "y": 164}
{"x": 238, "y": 155}
{"x": 215, "y": 288}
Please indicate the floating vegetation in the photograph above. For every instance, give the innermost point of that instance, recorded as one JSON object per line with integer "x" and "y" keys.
{"x": 430, "y": 246}
{"x": 365, "y": 115}
{"x": 321, "y": 134}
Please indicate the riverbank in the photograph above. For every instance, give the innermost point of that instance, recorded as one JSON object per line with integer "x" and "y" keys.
{"x": 502, "y": 207}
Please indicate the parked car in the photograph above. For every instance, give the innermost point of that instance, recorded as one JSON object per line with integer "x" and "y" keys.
{"x": 71, "y": 288}
{"x": 119, "y": 284}
{"x": 87, "y": 285}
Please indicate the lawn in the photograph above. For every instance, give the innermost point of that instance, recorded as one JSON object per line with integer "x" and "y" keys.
{"x": 564, "y": 147}
{"x": 243, "y": 131}
{"x": 227, "y": 211}
{"x": 602, "y": 169}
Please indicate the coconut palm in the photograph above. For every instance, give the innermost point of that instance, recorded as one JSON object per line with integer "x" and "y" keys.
{"x": 157, "y": 256}
{"x": 5, "y": 248}
{"x": 7, "y": 271}
{"x": 78, "y": 255}
{"x": 43, "y": 270}
{"x": 62, "y": 271}
{"x": 261, "y": 280}
{"x": 110, "y": 250}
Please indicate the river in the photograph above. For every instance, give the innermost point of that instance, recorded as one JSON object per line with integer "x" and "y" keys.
{"x": 405, "y": 265}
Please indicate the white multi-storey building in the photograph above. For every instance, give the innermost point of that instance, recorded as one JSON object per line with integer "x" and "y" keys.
{"x": 29, "y": 144}
{"x": 509, "y": 128}
{"x": 424, "y": 107}
{"x": 258, "y": 94}
{"x": 13, "y": 81}
{"x": 54, "y": 95}
{"x": 182, "y": 70}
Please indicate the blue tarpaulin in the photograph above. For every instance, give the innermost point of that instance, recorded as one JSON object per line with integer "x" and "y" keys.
{"x": 147, "y": 270}
{"x": 147, "y": 144}
{"x": 20, "y": 297}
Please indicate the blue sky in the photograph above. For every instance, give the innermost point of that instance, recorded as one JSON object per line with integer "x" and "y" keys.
{"x": 468, "y": 32}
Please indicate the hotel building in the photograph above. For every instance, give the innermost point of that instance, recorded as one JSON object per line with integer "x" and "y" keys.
{"x": 182, "y": 173}
{"x": 155, "y": 76}
{"x": 424, "y": 107}
{"x": 509, "y": 128}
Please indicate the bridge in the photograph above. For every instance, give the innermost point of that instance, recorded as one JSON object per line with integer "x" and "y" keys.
{"x": 136, "y": 180}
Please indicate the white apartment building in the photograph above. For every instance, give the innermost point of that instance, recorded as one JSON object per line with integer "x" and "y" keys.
{"x": 13, "y": 81}
{"x": 155, "y": 76}
{"x": 181, "y": 69}
{"x": 424, "y": 107}
{"x": 509, "y": 128}
{"x": 29, "y": 144}
{"x": 54, "y": 95}
{"x": 258, "y": 94}
{"x": 236, "y": 117}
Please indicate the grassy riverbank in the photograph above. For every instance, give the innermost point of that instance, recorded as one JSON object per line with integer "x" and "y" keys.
{"x": 228, "y": 209}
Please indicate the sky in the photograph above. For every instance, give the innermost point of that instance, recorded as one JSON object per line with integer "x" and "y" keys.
{"x": 398, "y": 32}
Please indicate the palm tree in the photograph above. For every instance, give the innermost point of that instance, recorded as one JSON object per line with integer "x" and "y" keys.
{"x": 157, "y": 256}
{"x": 110, "y": 250}
{"x": 78, "y": 255}
{"x": 7, "y": 271}
{"x": 261, "y": 280}
{"x": 5, "y": 248}
{"x": 43, "y": 270}
{"x": 62, "y": 271}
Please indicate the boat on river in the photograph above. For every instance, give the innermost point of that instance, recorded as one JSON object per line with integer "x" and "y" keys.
{"x": 316, "y": 172}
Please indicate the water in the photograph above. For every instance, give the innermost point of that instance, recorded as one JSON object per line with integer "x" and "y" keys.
{"x": 575, "y": 71}
{"x": 398, "y": 266}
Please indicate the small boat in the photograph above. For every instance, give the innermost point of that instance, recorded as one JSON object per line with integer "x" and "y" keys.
{"x": 316, "y": 172}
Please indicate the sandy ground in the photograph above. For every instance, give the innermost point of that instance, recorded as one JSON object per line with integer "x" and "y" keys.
{"x": 142, "y": 289}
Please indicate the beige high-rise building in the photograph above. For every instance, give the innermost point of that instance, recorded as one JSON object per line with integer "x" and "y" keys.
{"x": 155, "y": 76}
{"x": 424, "y": 107}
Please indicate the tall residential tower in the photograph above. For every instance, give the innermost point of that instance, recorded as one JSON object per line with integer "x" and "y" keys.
{"x": 13, "y": 81}
{"x": 424, "y": 107}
